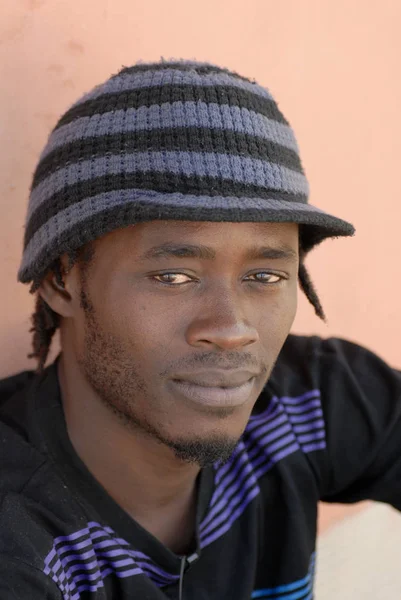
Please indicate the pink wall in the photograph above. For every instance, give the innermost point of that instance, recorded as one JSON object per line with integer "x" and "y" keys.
{"x": 334, "y": 67}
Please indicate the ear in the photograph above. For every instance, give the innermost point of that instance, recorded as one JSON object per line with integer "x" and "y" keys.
{"x": 63, "y": 300}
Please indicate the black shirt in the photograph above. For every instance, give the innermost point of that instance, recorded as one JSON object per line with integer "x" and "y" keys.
{"x": 326, "y": 427}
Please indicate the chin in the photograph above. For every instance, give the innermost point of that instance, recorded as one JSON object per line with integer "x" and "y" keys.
{"x": 205, "y": 452}
{"x": 214, "y": 442}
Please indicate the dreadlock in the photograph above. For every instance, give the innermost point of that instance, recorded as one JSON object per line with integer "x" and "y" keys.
{"x": 46, "y": 322}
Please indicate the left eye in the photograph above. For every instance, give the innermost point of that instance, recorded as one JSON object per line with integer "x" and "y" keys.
{"x": 266, "y": 277}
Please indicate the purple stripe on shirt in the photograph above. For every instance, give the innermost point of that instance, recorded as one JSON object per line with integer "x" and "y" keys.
{"x": 311, "y": 437}
{"x": 313, "y": 447}
{"x": 311, "y": 425}
{"x": 302, "y": 408}
{"x": 299, "y": 399}
{"x": 317, "y": 412}
{"x": 205, "y": 541}
{"x": 223, "y": 494}
{"x": 261, "y": 428}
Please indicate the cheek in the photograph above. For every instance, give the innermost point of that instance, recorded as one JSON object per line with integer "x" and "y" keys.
{"x": 276, "y": 320}
{"x": 144, "y": 327}
{"x": 289, "y": 312}
{"x": 293, "y": 304}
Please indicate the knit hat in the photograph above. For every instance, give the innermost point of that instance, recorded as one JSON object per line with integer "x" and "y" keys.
{"x": 170, "y": 140}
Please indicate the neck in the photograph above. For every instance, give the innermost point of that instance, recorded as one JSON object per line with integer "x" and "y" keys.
{"x": 140, "y": 473}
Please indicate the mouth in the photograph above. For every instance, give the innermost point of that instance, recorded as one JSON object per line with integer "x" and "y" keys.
{"x": 218, "y": 396}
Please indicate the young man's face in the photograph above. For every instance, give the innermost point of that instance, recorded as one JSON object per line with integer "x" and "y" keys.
{"x": 173, "y": 312}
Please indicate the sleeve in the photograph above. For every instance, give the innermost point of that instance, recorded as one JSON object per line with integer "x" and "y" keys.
{"x": 361, "y": 403}
{"x": 19, "y": 581}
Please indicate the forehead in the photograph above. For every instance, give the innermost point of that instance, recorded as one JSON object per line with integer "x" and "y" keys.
{"x": 219, "y": 235}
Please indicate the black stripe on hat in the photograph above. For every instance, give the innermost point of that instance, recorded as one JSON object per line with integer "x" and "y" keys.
{"x": 192, "y": 139}
{"x": 151, "y": 180}
{"x": 149, "y": 96}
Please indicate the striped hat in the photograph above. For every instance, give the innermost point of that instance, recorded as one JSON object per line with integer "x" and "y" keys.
{"x": 169, "y": 140}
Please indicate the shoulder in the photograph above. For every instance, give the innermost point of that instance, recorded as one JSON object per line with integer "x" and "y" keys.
{"x": 35, "y": 503}
{"x": 36, "y": 512}
{"x": 21, "y": 456}
{"x": 323, "y": 393}
{"x": 326, "y": 364}
{"x": 301, "y": 350}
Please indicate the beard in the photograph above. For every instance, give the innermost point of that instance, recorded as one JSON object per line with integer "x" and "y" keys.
{"x": 110, "y": 370}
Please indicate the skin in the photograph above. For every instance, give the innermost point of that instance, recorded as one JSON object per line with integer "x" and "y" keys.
{"x": 128, "y": 328}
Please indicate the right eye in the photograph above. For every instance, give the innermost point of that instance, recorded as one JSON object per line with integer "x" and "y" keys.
{"x": 172, "y": 278}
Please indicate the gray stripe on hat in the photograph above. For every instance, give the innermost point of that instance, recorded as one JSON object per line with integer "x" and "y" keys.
{"x": 176, "y": 114}
{"x": 152, "y": 78}
{"x": 77, "y": 213}
{"x": 251, "y": 171}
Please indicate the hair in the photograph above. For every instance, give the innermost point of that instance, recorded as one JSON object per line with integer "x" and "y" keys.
{"x": 45, "y": 321}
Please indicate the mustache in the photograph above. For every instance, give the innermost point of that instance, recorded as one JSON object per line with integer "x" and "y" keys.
{"x": 230, "y": 361}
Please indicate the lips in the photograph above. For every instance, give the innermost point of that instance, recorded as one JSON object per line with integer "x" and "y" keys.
{"x": 226, "y": 395}
{"x": 217, "y": 378}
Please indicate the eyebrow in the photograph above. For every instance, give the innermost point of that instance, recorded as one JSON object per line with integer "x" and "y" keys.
{"x": 172, "y": 250}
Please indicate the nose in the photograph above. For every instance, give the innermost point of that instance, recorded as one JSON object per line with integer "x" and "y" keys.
{"x": 222, "y": 324}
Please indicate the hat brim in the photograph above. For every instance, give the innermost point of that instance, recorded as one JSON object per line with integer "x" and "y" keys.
{"x": 117, "y": 209}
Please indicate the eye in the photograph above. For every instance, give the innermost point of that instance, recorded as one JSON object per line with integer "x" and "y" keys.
{"x": 174, "y": 279}
{"x": 265, "y": 277}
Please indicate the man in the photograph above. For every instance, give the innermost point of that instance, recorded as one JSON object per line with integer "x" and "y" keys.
{"x": 180, "y": 443}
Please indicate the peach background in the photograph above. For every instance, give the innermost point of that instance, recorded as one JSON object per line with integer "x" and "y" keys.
{"x": 334, "y": 67}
